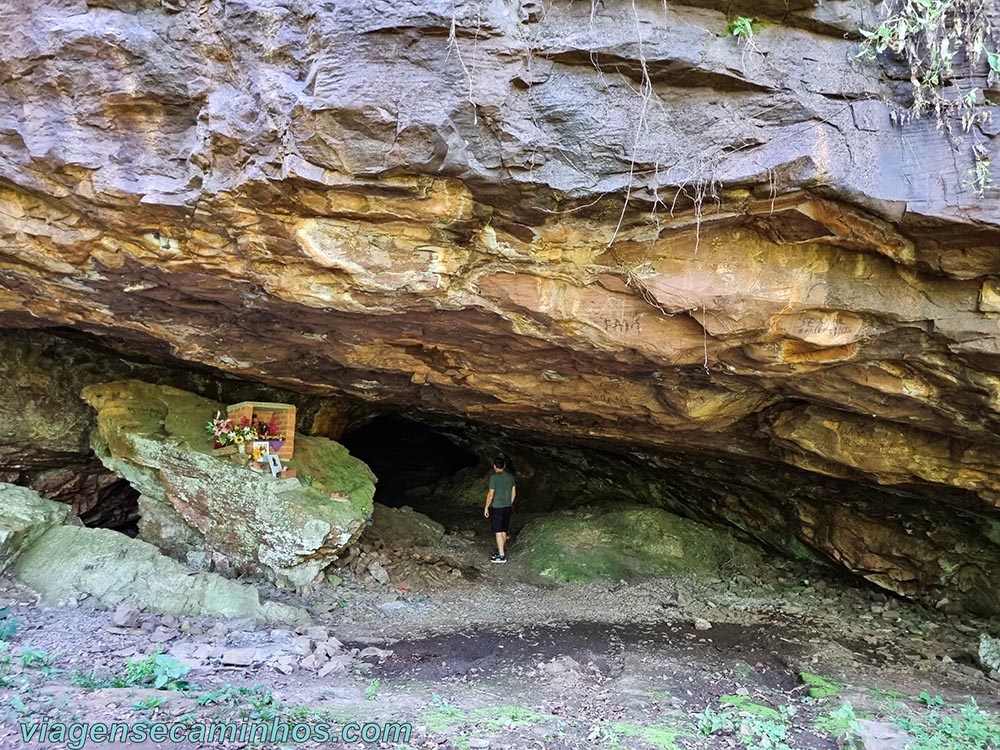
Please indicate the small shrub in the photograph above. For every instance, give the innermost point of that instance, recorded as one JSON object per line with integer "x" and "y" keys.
{"x": 937, "y": 701}
{"x": 161, "y": 671}
{"x": 19, "y": 705}
{"x": 840, "y": 722}
{"x": 756, "y": 733}
{"x": 93, "y": 681}
{"x": 250, "y": 702}
{"x": 939, "y": 729}
{"x": 227, "y": 695}
{"x": 8, "y": 625}
{"x": 757, "y": 727}
{"x": 33, "y": 657}
{"x": 5, "y": 660}
{"x": 741, "y": 27}
{"x": 710, "y": 721}
{"x": 981, "y": 176}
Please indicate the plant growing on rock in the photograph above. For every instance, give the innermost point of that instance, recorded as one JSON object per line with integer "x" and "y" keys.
{"x": 981, "y": 176}
{"x": 741, "y": 27}
{"x": 936, "y": 38}
{"x": 929, "y": 36}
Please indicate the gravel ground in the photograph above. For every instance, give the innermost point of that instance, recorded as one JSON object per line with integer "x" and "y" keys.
{"x": 495, "y": 658}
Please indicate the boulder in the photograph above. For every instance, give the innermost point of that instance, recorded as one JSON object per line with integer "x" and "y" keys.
{"x": 200, "y": 506}
{"x": 403, "y": 527}
{"x": 617, "y": 543}
{"x": 621, "y": 226}
{"x": 70, "y": 563}
{"x": 879, "y": 735}
{"x": 989, "y": 652}
{"x": 45, "y": 426}
{"x": 24, "y": 517}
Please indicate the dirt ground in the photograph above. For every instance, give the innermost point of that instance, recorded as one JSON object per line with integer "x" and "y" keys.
{"x": 494, "y": 658}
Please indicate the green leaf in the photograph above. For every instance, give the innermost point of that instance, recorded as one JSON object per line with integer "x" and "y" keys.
{"x": 8, "y": 625}
{"x": 18, "y": 705}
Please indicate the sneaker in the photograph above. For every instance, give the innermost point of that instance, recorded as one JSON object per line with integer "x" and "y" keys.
{"x": 495, "y": 557}
{"x": 501, "y": 559}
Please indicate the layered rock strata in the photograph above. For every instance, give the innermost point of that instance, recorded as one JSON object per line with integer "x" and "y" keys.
{"x": 605, "y": 223}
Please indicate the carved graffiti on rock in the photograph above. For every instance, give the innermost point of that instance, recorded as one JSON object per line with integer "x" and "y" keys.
{"x": 820, "y": 328}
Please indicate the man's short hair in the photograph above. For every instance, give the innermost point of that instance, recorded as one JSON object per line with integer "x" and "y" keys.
{"x": 500, "y": 462}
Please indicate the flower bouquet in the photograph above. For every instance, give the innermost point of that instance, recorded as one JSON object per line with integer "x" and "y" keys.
{"x": 230, "y": 437}
{"x": 223, "y": 432}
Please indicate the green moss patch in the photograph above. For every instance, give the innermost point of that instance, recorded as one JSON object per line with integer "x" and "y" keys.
{"x": 744, "y": 704}
{"x": 820, "y": 687}
{"x": 625, "y": 542}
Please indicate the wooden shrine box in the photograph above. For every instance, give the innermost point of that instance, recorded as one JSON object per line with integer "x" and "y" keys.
{"x": 284, "y": 414}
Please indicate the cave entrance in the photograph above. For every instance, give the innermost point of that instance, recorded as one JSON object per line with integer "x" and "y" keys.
{"x": 409, "y": 458}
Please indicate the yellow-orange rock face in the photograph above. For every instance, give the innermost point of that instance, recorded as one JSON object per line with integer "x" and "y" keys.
{"x": 475, "y": 213}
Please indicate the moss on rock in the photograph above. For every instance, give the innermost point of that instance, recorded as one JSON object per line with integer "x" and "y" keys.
{"x": 24, "y": 517}
{"x": 245, "y": 521}
{"x": 819, "y": 686}
{"x": 110, "y": 568}
{"x": 618, "y": 543}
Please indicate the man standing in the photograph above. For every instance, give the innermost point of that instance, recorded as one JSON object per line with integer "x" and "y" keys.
{"x": 501, "y": 498}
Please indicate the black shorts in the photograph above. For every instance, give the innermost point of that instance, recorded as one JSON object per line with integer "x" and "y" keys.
{"x": 500, "y": 519}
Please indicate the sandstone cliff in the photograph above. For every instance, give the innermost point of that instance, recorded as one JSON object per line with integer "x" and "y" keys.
{"x": 608, "y": 223}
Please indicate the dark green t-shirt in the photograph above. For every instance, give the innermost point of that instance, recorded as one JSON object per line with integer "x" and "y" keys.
{"x": 502, "y": 483}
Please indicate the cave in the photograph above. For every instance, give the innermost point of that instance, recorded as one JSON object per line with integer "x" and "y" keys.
{"x": 722, "y": 281}
{"x": 409, "y": 457}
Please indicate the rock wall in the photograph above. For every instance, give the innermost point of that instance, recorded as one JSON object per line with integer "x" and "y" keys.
{"x": 606, "y": 223}
{"x": 45, "y": 427}
{"x": 894, "y": 537}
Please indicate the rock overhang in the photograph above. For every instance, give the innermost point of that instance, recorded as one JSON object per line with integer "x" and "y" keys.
{"x": 781, "y": 263}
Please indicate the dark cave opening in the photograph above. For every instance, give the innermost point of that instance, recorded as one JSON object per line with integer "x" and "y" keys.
{"x": 117, "y": 508}
{"x": 409, "y": 458}
{"x": 99, "y": 498}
